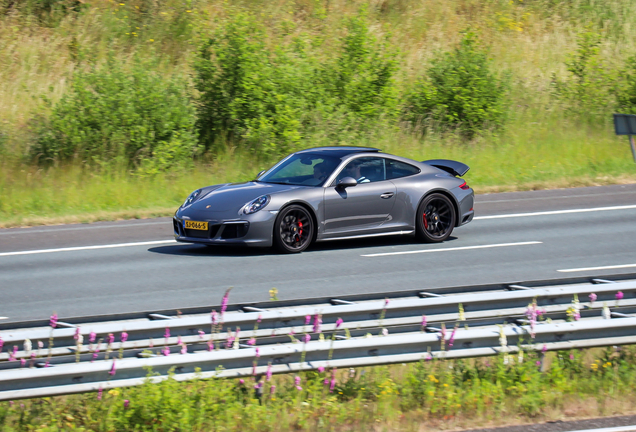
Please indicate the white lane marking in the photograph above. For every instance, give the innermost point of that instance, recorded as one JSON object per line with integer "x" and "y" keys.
{"x": 58, "y": 228}
{"x": 79, "y": 248}
{"x": 550, "y": 197}
{"x": 597, "y": 268}
{"x": 1, "y": 318}
{"x": 611, "y": 429}
{"x": 555, "y": 212}
{"x": 454, "y": 249}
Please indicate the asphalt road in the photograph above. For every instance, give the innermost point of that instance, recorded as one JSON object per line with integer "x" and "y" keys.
{"x": 568, "y": 229}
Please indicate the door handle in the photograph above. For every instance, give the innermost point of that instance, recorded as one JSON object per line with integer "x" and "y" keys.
{"x": 386, "y": 195}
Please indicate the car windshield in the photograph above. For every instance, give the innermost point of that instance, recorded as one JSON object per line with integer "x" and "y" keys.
{"x": 304, "y": 169}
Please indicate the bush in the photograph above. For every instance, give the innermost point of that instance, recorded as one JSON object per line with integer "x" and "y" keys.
{"x": 460, "y": 91}
{"x": 269, "y": 97}
{"x": 588, "y": 90}
{"x": 122, "y": 116}
{"x": 626, "y": 91}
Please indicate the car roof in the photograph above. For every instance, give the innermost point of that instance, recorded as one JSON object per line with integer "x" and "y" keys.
{"x": 339, "y": 152}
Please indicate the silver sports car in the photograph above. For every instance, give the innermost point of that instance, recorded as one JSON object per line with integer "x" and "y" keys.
{"x": 330, "y": 193}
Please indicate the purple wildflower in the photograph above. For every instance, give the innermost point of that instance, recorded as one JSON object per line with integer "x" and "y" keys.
{"x": 452, "y": 338}
{"x": 544, "y": 349}
{"x": 321, "y": 369}
{"x": 268, "y": 374}
{"x": 165, "y": 351}
{"x": 593, "y": 297}
{"x": 126, "y": 403}
{"x": 386, "y": 302}
{"x": 201, "y": 334}
{"x": 229, "y": 342}
{"x": 184, "y": 349}
{"x": 210, "y": 345}
{"x": 299, "y": 388}
{"x": 77, "y": 333}
{"x": 538, "y": 363}
{"x": 22, "y": 362}
{"x": 95, "y": 354}
{"x": 215, "y": 318}
{"x": 291, "y": 333}
{"x": 424, "y": 321}
{"x": 251, "y": 341}
{"x": 577, "y": 315}
{"x": 258, "y": 353}
{"x": 241, "y": 381}
{"x": 326, "y": 381}
{"x": 306, "y": 338}
{"x": 225, "y": 301}
{"x": 317, "y": 323}
{"x": 307, "y": 319}
{"x": 124, "y": 336}
{"x": 110, "y": 338}
{"x": 339, "y": 322}
{"x": 619, "y": 295}
{"x": 92, "y": 336}
{"x": 254, "y": 369}
{"x": 99, "y": 393}
{"x": 296, "y": 380}
{"x": 1, "y": 343}
{"x": 332, "y": 384}
{"x": 272, "y": 389}
{"x": 179, "y": 341}
{"x": 53, "y": 320}
{"x": 113, "y": 369}
{"x": 166, "y": 334}
{"x": 259, "y": 319}
{"x": 571, "y": 356}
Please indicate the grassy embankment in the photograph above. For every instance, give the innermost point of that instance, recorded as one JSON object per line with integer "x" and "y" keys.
{"x": 429, "y": 396}
{"x": 543, "y": 144}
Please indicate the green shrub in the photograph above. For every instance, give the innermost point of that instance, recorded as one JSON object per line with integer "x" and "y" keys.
{"x": 268, "y": 98}
{"x": 121, "y": 115}
{"x": 460, "y": 91}
{"x": 587, "y": 92}
{"x": 626, "y": 90}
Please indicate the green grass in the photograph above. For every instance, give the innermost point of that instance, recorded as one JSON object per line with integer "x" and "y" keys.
{"x": 432, "y": 395}
{"x": 541, "y": 147}
{"x": 520, "y": 159}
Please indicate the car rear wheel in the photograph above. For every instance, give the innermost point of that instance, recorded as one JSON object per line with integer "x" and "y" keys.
{"x": 293, "y": 229}
{"x": 435, "y": 218}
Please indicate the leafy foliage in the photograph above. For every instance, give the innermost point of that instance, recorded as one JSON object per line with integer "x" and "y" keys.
{"x": 460, "y": 91}
{"x": 268, "y": 97}
{"x": 124, "y": 116}
{"x": 588, "y": 90}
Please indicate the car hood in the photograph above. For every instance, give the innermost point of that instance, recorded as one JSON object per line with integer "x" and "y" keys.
{"x": 233, "y": 196}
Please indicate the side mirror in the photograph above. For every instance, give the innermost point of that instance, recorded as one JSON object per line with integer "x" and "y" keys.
{"x": 346, "y": 182}
{"x": 260, "y": 173}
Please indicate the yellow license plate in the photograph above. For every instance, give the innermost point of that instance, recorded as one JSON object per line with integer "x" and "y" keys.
{"x": 203, "y": 226}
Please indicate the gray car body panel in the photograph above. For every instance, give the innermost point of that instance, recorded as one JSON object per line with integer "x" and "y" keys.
{"x": 359, "y": 211}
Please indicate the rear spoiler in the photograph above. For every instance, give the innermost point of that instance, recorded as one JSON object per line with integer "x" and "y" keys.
{"x": 450, "y": 166}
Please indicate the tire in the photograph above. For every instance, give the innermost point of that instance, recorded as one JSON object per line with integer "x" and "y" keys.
{"x": 293, "y": 229}
{"x": 436, "y": 218}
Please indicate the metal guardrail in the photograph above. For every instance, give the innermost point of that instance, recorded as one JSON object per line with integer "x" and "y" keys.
{"x": 402, "y": 317}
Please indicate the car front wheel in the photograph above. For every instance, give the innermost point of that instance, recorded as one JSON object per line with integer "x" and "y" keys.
{"x": 293, "y": 229}
{"x": 435, "y": 218}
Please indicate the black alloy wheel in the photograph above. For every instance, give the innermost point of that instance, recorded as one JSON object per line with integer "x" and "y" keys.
{"x": 435, "y": 218}
{"x": 293, "y": 229}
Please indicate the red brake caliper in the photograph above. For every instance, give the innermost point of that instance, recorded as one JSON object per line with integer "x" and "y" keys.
{"x": 425, "y": 221}
{"x": 300, "y": 230}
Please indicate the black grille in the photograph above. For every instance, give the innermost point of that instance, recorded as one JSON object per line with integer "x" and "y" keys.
{"x": 197, "y": 233}
{"x": 232, "y": 231}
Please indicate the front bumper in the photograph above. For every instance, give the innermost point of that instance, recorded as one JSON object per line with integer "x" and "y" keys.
{"x": 254, "y": 230}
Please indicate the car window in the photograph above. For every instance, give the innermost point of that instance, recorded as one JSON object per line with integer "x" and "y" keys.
{"x": 301, "y": 169}
{"x": 395, "y": 169}
{"x": 364, "y": 170}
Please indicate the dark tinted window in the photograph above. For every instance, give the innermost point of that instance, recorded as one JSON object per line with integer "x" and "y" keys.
{"x": 395, "y": 169}
{"x": 364, "y": 170}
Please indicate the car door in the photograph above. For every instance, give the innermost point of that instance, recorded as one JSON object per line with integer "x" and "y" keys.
{"x": 362, "y": 208}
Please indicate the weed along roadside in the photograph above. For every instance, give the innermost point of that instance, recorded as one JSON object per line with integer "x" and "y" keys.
{"x": 438, "y": 394}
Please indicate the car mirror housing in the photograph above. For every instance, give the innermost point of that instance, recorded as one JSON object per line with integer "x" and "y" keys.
{"x": 260, "y": 173}
{"x": 346, "y": 182}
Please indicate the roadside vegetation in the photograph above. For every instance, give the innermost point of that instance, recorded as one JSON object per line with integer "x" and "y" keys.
{"x": 431, "y": 395}
{"x": 120, "y": 108}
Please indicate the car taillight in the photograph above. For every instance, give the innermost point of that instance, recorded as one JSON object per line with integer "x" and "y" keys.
{"x": 464, "y": 186}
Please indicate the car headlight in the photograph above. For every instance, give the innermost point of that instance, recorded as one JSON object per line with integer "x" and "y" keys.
{"x": 256, "y": 205}
{"x": 191, "y": 198}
